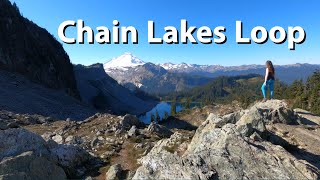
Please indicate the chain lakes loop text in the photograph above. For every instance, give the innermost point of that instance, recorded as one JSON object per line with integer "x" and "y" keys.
{"x": 184, "y": 34}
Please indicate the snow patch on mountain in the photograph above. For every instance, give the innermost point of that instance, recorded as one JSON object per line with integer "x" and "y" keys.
{"x": 171, "y": 66}
{"x": 123, "y": 62}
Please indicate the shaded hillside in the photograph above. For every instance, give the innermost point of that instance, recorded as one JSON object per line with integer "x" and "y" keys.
{"x": 104, "y": 93}
{"x": 33, "y": 52}
{"x": 20, "y": 95}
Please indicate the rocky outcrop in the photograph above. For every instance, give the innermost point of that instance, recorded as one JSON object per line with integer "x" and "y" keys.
{"x": 222, "y": 149}
{"x": 115, "y": 172}
{"x": 110, "y": 139}
{"x": 71, "y": 159}
{"x": 159, "y": 130}
{"x": 33, "y": 52}
{"x": 133, "y": 131}
{"x": 129, "y": 120}
{"x": 29, "y": 166}
{"x": 19, "y": 140}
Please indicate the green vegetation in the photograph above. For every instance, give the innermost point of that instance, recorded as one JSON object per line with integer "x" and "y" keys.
{"x": 144, "y": 96}
{"x": 152, "y": 118}
{"x": 186, "y": 103}
{"x": 173, "y": 107}
{"x": 224, "y": 89}
{"x": 305, "y": 95}
{"x": 247, "y": 88}
{"x": 158, "y": 119}
{"x": 166, "y": 115}
{"x": 170, "y": 149}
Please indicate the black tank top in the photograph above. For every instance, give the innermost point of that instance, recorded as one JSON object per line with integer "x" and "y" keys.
{"x": 270, "y": 76}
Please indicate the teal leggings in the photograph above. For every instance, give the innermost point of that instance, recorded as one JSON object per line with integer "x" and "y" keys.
{"x": 264, "y": 88}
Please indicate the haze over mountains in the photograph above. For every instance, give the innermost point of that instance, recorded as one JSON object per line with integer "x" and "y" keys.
{"x": 132, "y": 72}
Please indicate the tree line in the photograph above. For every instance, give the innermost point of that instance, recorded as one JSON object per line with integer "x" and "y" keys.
{"x": 246, "y": 89}
{"x": 305, "y": 95}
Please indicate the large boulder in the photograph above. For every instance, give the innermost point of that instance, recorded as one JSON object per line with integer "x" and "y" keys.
{"x": 270, "y": 112}
{"x": 71, "y": 158}
{"x": 162, "y": 164}
{"x": 229, "y": 118}
{"x": 28, "y": 166}
{"x": 276, "y": 111}
{"x": 252, "y": 121}
{"x": 129, "y": 120}
{"x": 133, "y": 131}
{"x": 16, "y": 141}
{"x": 115, "y": 172}
{"x": 159, "y": 130}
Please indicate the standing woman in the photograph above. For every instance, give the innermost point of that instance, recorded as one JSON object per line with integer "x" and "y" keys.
{"x": 268, "y": 81}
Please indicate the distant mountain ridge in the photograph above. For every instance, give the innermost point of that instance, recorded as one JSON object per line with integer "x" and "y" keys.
{"x": 286, "y": 73}
{"x": 150, "y": 77}
{"x": 169, "y": 77}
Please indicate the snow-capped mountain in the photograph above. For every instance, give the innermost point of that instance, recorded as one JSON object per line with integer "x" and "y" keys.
{"x": 171, "y": 66}
{"x": 123, "y": 62}
{"x": 132, "y": 72}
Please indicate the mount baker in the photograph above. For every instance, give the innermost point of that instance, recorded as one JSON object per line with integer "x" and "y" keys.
{"x": 152, "y": 78}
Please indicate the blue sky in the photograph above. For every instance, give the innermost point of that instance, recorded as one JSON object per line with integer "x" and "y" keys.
{"x": 50, "y": 14}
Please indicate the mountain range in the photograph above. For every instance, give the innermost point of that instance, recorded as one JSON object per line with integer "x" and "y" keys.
{"x": 149, "y": 77}
{"x": 133, "y": 72}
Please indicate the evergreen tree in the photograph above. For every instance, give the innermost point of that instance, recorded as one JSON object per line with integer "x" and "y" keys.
{"x": 166, "y": 115}
{"x": 313, "y": 92}
{"x": 157, "y": 117}
{"x": 188, "y": 103}
{"x": 173, "y": 108}
{"x": 306, "y": 96}
{"x": 152, "y": 118}
{"x": 247, "y": 88}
